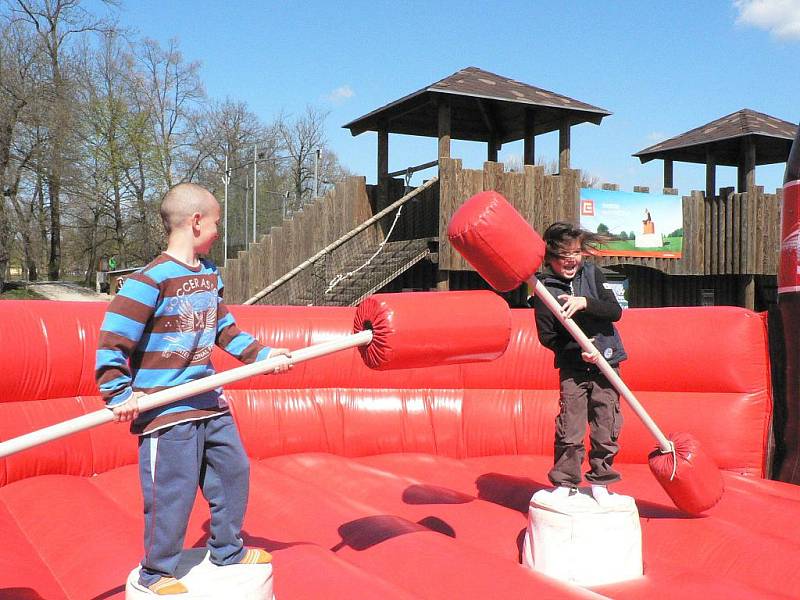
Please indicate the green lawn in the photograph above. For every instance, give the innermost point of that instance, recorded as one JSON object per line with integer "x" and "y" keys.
{"x": 671, "y": 244}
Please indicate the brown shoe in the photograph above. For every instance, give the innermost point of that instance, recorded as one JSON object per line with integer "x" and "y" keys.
{"x": 167, "y": 586}
{"x": 256, "y": 556}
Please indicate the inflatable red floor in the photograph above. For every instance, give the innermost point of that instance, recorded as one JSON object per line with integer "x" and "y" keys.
{"x": 400, "y": 484}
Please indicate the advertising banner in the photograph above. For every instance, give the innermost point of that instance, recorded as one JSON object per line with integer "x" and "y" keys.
{"x": 638, "y": 224}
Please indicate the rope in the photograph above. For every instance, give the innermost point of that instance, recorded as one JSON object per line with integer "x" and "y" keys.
{"x": 674, "y": 459}
{"x": 339, "y": 278}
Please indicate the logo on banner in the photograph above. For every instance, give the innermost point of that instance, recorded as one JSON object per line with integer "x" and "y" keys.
{"x": 789, "y": 269}
{"x": 587, "y": 207}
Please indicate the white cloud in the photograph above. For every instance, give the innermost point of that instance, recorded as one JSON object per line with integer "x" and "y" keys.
{"x": 341, "y": 94}
{"x": 656, "y": 136}
{"x": 780, "y": 17}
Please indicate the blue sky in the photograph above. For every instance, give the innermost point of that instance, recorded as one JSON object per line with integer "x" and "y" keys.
{"x": 661, "y": 68}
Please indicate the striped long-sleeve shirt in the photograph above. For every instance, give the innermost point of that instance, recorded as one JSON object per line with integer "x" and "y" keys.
{"x": 159, "y": 331}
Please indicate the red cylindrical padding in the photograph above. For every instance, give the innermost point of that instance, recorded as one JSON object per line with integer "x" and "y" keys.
{"x": 496, "y": 240}
{"x": 695, "y": 485}
{"x": 423, "y": 329}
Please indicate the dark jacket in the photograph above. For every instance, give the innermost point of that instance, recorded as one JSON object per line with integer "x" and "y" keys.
{"x": 596, "y": 321}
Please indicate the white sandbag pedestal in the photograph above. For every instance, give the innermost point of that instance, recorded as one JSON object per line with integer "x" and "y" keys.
{"x": 574, "y": 539}
{"x": 207, "y": 581}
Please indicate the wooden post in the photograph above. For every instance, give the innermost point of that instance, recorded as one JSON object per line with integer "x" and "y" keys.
{"x": 383, "y": 169}
{"x": 492, "y": 147}
{"x": 444, "y": 128}
{"x": 747, "y": 292}
{"x": 442, "y": 280}
{"x": 750, "y": 164}
{"x": 529, "y": 153}
{"x": 747, "y": 165}
{"x": 667, "y": 172}
{"x": 711, "y": 172}
{"x": 563, "y": 145}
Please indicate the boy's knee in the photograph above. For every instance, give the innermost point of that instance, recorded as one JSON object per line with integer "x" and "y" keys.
{"x": 239, "y": 468}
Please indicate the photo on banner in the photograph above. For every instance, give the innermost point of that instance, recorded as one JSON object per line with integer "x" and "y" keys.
{"x": 639, "y": 224}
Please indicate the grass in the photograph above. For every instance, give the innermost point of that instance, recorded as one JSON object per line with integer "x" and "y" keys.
{"x": 672, "y": 244}
{"x": 14, "y": 291}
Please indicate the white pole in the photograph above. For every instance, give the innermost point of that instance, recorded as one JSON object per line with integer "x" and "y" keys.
{"x": 255, "y": 190}
{"x": 586, "y": 344}
{"x": 226, "y": 178}
{"x": 156, "y": 399}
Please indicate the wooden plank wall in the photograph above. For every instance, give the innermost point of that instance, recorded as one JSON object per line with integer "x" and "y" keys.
{"x": 540, "y": 198}
{"x": 299, "y": 238}
{"x": 729, "y": 234}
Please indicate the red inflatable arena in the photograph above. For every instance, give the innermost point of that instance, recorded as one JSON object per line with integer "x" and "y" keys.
{"x": 401, "y": 484}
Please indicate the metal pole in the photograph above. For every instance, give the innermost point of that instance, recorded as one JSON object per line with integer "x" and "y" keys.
{"x": 316, "y": 173}
{"x": 246, "y": 212}
{"x": 225, "y": 179}
{"x": 255, "y": 189}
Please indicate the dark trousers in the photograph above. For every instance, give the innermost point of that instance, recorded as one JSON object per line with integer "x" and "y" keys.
{"x": 586, "y": 397}
{"x": 173, "y": 463}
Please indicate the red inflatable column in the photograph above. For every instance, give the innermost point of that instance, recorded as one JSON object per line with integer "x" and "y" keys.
{"x": 789, "y": 304}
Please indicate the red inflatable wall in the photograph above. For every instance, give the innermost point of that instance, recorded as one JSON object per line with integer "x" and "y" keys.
{"x": 694, "y": 370}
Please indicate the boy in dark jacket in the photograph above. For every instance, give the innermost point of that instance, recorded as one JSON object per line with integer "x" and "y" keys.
{"x": 586, "y": 395}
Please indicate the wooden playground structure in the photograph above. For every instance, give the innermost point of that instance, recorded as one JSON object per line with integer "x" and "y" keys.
{"x": 731, "y": 237}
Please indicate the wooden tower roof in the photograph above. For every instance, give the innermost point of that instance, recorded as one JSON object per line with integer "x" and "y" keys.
{"x": 772, "y": 138}
{"x": 484, "y": 105}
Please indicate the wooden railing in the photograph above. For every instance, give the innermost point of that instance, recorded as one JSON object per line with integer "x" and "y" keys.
{"x": 285, "y": 247}
{"x": 339, "y": 242}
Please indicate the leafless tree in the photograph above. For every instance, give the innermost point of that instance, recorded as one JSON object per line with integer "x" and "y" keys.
{"x": 170, "y": 91}
{"x": 20, "y": 90}
{"x": 103, "y": 110}
{"x": 95, "y": 127}
{"x": 55, "y": 23}
{"x": 301, "y": 137}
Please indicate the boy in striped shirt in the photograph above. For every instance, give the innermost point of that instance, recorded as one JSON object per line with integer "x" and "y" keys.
{"x": 158, "y": 332}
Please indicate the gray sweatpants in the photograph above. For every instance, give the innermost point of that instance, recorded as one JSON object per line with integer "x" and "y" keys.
{"x": 173, "y": 462}
{"x": 586, "y": 397}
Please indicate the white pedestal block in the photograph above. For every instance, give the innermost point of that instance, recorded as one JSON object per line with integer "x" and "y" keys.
{"x": 648, "y": 240}
{"x": 574, "y": 539}
{"x": 207, "y": 581}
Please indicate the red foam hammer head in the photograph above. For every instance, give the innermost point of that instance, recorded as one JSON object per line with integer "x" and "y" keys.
{"x": 425, "y": 329}
{"x": 694, "y": 483}
{"x": 496, "y": 240}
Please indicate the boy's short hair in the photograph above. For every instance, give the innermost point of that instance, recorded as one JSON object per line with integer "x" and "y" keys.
{"x": 182, "y": 201}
